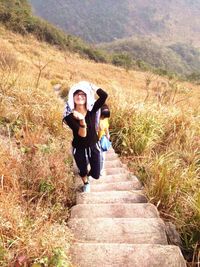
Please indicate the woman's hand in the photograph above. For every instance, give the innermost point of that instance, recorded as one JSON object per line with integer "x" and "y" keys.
{"x": 94, "y": 87}
{"x": 83, "y": 127}
{"x": 78, "y": 115}
{"x": 108, "y": 136}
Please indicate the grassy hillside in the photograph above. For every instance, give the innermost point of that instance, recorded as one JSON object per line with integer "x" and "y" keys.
{"x": 154, "y": 126}
{"x": 162, "y": 38}
{"x": 176, "y": 58}
{"x": 104, "y": 21}
{"x": 17, "y": 16}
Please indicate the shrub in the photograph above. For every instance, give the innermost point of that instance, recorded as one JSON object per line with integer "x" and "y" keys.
{"x": 194, "y": 77}
{"x": 123, "y": 60}
{"x": 142, "y": 65}
{"x": 94, "y": 54}
{"x": 7, "y": 59}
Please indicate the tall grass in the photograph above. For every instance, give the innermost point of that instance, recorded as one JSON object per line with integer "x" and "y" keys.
{"x": 161, "y": 144}
{"x": 36, "y": 181}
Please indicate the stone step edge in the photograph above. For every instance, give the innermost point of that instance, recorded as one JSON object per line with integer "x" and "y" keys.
{"x": 138, "y": 192}
{"x": 135, "y": 230}
{"x": 133, "y": 196}
{"x": 147, "y": 254}
{"x": 149, "y": 210}
{"x": 116, "y": 186}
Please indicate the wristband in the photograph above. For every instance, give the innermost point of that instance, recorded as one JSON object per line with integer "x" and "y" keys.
{"x": 82, "y": 126}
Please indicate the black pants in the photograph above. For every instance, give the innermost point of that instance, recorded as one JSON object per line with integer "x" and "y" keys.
{"x": 90, "y": 155}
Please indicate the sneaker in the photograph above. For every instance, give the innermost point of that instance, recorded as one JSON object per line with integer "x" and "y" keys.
{"x": 86, "y": 188}
{"x": 103, "y": 173}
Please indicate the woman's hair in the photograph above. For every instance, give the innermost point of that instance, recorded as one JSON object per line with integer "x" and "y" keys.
{"x": 105, "y": 112}
{"x": 79, "y": 91}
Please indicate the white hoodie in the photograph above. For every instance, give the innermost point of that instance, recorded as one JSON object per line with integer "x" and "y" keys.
{"x": 88, "y": 88}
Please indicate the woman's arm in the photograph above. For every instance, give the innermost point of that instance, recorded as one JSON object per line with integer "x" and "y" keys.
{"x": 78, "y": 126}
{"x": 101, "y": 100}
{"x": 82, "y": 131}
{"x": 107, "y": 133}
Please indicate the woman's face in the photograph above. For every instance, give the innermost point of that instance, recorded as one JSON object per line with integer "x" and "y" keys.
{"x": 79, "y": 98}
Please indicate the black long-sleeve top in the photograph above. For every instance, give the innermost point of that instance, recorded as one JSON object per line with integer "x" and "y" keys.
{"x": 91, "y": 137}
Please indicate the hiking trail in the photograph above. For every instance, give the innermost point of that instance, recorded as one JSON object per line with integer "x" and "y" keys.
{"x": 115, "y": 226}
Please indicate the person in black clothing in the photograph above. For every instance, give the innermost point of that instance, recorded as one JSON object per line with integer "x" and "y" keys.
{"x": 81, "y": 119}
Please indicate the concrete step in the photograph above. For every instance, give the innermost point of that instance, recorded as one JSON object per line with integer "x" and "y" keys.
{"x": 115, "y": 170}
{"x": 111, "y": 156}
{"x": 113, "y": 228}
{"x": 111, "y": 151}
{"x": 118, "y": 186}
{"x": 135, "y": 196}
{"x": 135, "y": 210}
{"x": 126, "y": 255}
{"x": 119, "y": 230}
{"x": 112, "y": 178}
{"x": 123, "y": 177}
{"x": 112, "y": 163}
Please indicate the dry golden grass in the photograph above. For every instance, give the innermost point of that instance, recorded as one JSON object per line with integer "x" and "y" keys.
{"x": 156, "y": 122}
{"x": 36, "y": 189}
{"x": 164, "y": 142}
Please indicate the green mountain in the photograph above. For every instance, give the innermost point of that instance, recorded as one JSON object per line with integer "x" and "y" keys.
{"x": 16, "y": 15}
{"x": 177, "y": 58}
{"x": 104, "y": 21}
{"x": 146, "y": 53}
{"x": 149, "y": 33}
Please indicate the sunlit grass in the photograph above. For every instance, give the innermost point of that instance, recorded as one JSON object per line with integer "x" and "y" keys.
{"x": 164, "y": 144}
{"x": 154, "y": 124}
{"x": 36, "y": 180}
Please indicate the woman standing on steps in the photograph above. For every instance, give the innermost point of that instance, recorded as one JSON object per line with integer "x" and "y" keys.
{"x": 79, "y": 115}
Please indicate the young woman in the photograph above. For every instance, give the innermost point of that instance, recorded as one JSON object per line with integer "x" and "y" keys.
{"x": 80, "y": 117}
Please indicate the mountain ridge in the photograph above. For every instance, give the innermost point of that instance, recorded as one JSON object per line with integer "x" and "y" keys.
{"x": 97, "y": 21}
{"x": 145, "y": 53}
{"x": 180, "y": 58}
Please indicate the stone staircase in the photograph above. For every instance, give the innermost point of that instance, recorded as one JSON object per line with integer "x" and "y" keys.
{"x": 114, "y": 226}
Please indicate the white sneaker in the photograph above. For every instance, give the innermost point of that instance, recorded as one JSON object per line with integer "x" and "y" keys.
{"x": 86, "y": 188}
{"x": 103, "y": 172}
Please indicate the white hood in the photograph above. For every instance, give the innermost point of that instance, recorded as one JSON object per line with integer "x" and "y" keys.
{"x": 88, "y": 88}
